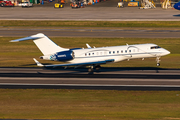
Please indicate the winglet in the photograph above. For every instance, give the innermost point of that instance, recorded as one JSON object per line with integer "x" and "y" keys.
{"x": 38, "y": 63}
{"x": 88, "y": 45}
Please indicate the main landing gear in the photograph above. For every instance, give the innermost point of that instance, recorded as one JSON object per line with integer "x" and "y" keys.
{"x": 158, "y": 60}
{"x": 91, "y": 68}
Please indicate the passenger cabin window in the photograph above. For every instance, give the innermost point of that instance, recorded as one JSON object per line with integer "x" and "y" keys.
{"x": 121, "y": 51}
{"x": 155, "y": 47}
{"x": 109, "y": 52}
{"x": 129, "y": 50}
{"x": 113, "y": 52}
{"x": 117, "y": 51}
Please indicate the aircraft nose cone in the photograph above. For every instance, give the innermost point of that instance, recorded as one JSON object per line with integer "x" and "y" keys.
{"x": 167, "y": 52}
{"x": 177, "y": 6}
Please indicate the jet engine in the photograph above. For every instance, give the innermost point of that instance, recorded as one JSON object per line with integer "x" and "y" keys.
{"x": 60, "y": 56}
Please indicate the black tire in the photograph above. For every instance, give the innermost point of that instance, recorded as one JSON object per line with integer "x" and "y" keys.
{"x": 90, "y": 70}
{"x": 98, "y": 67}
{"x": 158, "y": 64}
{"x": 2, "y": 5}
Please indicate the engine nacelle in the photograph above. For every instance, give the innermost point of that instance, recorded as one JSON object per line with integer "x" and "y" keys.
{"x": 60, "y": 56}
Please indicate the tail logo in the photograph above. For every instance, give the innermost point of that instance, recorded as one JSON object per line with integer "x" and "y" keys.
{"x": 53, "y": 57}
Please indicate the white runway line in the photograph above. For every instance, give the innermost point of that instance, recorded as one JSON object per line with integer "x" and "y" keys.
{"x": 95, "y": 85}
{"x": 84, "y": 79}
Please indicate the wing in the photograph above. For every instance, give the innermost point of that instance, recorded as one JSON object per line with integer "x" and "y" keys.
{"x": 75, "y": 64}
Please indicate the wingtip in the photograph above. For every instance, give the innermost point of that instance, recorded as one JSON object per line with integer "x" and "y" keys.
{"x": 88, "y": 45}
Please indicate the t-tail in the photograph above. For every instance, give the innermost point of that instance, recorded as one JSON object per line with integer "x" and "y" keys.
{"x": 45, "y": 45}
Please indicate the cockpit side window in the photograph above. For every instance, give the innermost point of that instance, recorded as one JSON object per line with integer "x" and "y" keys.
{"x": 155, "y": 47}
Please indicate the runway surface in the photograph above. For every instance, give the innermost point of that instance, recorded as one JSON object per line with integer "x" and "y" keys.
{"x": 91, "y": 32}
{"x": 89, "y": 14}
{"x": 106, "y": 78}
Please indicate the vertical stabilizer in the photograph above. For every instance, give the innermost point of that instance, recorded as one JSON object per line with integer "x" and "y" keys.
{"x": 45, "y": 45}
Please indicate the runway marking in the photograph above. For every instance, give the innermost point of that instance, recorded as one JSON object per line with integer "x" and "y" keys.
{"x": 85, "y": 79}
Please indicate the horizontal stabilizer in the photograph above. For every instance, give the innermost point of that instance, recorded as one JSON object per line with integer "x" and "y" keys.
{"x": 26, "y": 38}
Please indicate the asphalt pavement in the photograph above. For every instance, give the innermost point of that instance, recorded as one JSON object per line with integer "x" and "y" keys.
{"x": 91, "y": 32}
{"x": 106, "y": 79}
{"x": 89, "y": 13}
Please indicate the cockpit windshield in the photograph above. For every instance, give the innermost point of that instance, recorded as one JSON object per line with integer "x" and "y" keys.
{"x": 155, "y": 47}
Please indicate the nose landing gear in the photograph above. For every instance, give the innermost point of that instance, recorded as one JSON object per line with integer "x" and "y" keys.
{"x": 158, "y": 60}
{"x": 158, "y": 64}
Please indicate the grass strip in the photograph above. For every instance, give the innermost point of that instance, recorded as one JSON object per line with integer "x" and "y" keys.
{"x": 88, "y": 104}
{"x": 20, "y": 54}
{"x": 143, "y": 24}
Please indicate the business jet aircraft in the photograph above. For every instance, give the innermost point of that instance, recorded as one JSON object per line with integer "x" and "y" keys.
{"x": 92, "y": 57}
{"x": 177, "y": 6}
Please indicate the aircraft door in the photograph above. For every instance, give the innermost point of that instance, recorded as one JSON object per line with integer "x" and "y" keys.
{"x": 133, "y": 51}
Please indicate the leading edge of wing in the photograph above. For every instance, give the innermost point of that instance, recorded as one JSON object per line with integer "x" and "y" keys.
{"x": 75, "y": 64}
{"x": 32, "y": 37}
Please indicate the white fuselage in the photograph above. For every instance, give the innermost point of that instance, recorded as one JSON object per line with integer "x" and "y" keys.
{"x": 92, "y": 56}
{"x": 118, "y": 53}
